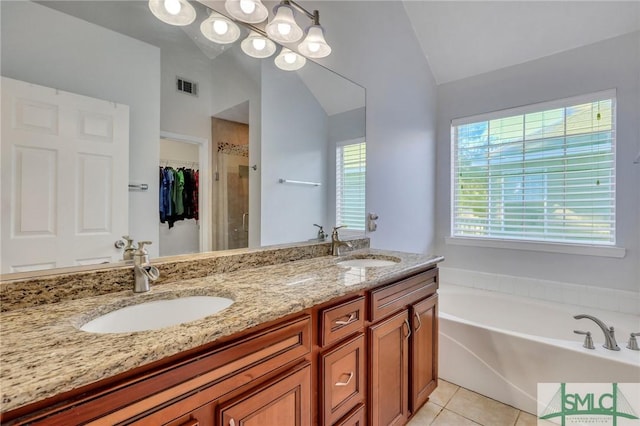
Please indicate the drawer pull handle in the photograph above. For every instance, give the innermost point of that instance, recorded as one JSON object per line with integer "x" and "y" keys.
{"x": 406, "y": 322}
{"x": 232, "y": 422}
{"x": 352, "y": 318}
{"x": 348, "y": 380}
{"x": 419, "y": 322}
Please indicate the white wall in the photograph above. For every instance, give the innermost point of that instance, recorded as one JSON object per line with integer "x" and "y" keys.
{"x": 613, "y": 63}
{"x": 385, "y": 57}
{"x": 294, "y": 146}
{"x": 42, "y": 46}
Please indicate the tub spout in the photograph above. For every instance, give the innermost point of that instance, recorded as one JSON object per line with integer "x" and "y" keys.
{"x": 609, "y": 337}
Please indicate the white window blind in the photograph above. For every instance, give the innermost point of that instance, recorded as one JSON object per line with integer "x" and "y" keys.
{"x": 350, "y": 185}
{"x": 543, "y": 172}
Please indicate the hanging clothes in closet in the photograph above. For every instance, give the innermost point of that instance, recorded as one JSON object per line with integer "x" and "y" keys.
{"x": 178, "y": 194}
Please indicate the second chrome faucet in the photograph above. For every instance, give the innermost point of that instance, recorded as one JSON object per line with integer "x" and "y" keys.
{"x": 336, "y": 243}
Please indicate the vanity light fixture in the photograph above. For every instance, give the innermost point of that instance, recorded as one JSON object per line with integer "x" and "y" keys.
{"x": 289, "y": 60}
{"x": 249, "y": 11}
{"x": 283, "y": 27}
{"x": 258, "y": 46}
{"x": 260, "y": 43}
{"x": 314, "y": 45}
{"x": 173, "y": 12}
{"x": 220, "y": 29}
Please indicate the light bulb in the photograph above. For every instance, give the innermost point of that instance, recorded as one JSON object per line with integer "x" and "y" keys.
{"x": 290, "y": 57}
{"x": 220, "y": 27}
{"x": 173, "y": 7}
{"x": 247, "y": 6}
{"x": 259, "y": 43}
{"x": 284, "y": 29}
{"x": 314, "y": 47}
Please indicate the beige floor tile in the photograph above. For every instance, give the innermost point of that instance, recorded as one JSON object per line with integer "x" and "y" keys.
{"x": 526, "y": 419}
{"x": 443, "y": 392}
{"x": 425, "y": 415}
{"x": 449, "y": 418}
{"x": 481, "y": 409}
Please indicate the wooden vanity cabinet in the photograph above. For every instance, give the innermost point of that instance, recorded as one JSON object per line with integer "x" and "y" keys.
{"x": 402, "y": 348}
{"x": 367, "y": 358}
{"x": 342, "y": 361}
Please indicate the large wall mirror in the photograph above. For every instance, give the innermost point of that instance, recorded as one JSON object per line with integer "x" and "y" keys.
{"x": 101, "y": 100}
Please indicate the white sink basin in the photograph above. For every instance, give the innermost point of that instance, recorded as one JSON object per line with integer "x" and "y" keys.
{"x": 157, "y": 314}
{"x": 369, "y": 262}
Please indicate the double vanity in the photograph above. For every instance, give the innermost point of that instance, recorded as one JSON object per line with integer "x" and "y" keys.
{"x": 299, "y": 337}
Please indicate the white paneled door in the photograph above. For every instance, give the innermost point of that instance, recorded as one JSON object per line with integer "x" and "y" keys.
{"x": 65, "y": 171}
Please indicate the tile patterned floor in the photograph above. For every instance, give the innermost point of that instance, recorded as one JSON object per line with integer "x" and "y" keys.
{"x": 452, "y": 405}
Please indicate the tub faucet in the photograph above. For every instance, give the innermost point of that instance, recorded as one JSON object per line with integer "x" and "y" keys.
{"x": 336, "y": 243}
{"x": 609, "y": 337}
{"x": 143, "y": 271}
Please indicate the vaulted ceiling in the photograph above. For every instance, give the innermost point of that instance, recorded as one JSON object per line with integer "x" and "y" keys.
{"x": 465, "y": 38}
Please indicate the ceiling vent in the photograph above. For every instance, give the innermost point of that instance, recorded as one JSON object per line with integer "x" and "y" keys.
{"x": 188, "y": 87}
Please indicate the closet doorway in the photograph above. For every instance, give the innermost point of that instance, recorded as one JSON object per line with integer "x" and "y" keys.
{"x": 184, "y": 192}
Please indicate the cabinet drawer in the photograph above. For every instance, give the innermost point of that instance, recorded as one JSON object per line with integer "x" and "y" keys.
{"x": 393, "y": 297}
{"x": 342, "y": 373}
{"x": 355, "y": 418}
{"x": 342, "y": 320}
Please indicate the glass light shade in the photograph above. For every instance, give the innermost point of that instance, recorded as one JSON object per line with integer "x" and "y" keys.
{"x": 249, "y": 11}
{"x": 220, "y": 29}
{"x": 258, "y": 46}
{"x": 314, "y": 44}
{"x": 289, "y": 60}
{"x": 283, "y": 27}
{"x": 173, "y": 12}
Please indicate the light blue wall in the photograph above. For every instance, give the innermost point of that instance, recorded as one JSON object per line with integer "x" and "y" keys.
{"x": 613, "y": 63}
{"x": 294, "y": 146}
{"x": 384, "y": 56}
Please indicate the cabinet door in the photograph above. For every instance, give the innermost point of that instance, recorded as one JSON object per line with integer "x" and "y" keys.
{"x": 285, "y": 401}
{"x": 342, "y": 373}
{"x": 424, "y": 351}
{"x": 389, "y": 363}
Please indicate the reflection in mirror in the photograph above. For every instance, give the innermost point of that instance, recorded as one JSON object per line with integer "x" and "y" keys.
{"x": 100, "y": 95}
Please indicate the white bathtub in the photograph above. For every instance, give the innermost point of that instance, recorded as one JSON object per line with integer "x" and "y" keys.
{"x": 502, "y": 346}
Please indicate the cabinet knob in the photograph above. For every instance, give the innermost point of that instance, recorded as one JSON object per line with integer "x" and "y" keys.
{"x": 417, "y": 315}
{"x": 232, "y": 422}
{"x": 352, "y": 318}
{"x": 406, "y": 322}
{"x": 351, "y": 374}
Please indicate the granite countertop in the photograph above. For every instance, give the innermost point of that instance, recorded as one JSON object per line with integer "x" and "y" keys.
{"x": 43, "y": 353}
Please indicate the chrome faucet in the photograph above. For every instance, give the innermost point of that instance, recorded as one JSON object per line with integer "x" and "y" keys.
{"x": 336, "y": 243}
{"x": 609, "y": 337}
{"x": 143, "y": 271}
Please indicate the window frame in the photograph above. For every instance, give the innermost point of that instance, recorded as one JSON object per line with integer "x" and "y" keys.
{"x": 589, "y": 248}
{"x": 347, "y": 231}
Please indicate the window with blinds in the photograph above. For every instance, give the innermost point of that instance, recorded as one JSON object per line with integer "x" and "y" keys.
{"x": 543, "y": 172}
{"x": 350, "y": 185}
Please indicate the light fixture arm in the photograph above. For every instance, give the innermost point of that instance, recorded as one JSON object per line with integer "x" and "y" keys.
{"x": 315, "y": 16}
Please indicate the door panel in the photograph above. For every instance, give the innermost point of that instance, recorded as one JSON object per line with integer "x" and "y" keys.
{"x": 285, "y": 402}
{"x": 424, "y": 351}
{"x": 63, "y": 204}
{"x": 389, "y": 389}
